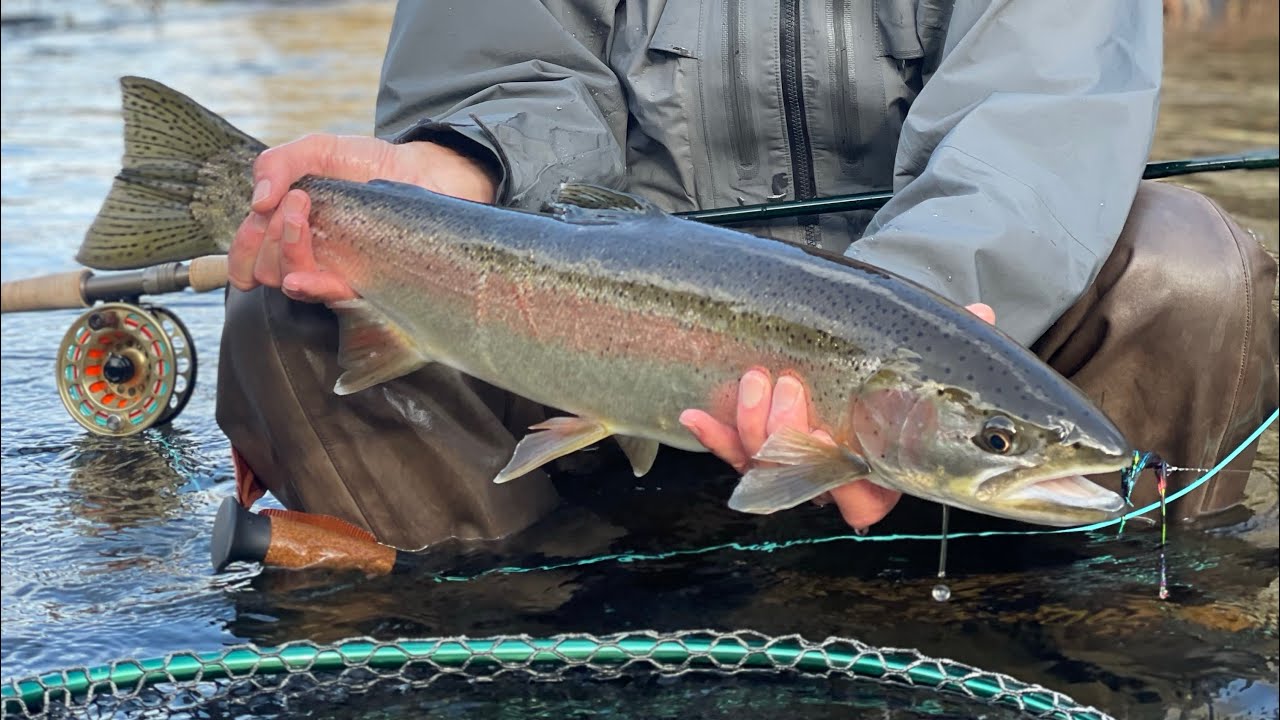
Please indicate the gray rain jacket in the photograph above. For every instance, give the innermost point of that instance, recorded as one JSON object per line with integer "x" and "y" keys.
{"x": 1013, "y": 132}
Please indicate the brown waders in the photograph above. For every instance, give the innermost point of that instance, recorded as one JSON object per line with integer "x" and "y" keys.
{"x": 1175, "y": 340}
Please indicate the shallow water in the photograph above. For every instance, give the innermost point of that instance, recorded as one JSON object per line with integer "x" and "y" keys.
{"x": 105, "y": 543}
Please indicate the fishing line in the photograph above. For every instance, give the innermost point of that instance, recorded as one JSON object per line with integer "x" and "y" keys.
{"x": 773, "y": 546}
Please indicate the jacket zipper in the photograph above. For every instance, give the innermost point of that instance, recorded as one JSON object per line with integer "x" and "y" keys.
{"x": 739, "y": 95}
{"x": 847, "y": 131}
{"x": 793, "y": 105}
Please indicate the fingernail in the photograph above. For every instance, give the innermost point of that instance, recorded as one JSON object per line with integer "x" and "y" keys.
{"x": 862, "y": 531}
{"x": 786, "y": 393}
{"x": 261, "y": 191}
{"x": 751, "y": 390}
{"x": 292, "y": 230}
{"x": 258, "y": 222}
{"x": 692, "y": 428}
{"x": 293, "y": 290}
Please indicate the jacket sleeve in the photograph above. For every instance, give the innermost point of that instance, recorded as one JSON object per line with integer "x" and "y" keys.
{"x": 1021, "y": 156}
{"x": 521, "y": 83}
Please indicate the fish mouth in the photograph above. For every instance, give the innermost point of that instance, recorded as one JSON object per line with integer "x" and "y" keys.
{"x": 1062, "y": 499}
{"x": 1070, "y": 491}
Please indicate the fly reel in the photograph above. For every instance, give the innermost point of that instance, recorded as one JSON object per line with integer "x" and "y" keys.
{"x": 123, "y": 368}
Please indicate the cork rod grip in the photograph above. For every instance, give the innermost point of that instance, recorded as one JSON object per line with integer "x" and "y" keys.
{"x": 208, "y": 273}
{"x": 302, "y": 545}
{"x": 49, "y": 292}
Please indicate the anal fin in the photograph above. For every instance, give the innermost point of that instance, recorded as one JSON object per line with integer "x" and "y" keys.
{"x": 640, "y": 451}
{"x": 807, "y": 467}
{"x": 558, "y": 436}
{"x": 371, "y": 348}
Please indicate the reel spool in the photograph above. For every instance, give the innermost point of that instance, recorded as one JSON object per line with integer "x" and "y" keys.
{"x": 123, "y": 368}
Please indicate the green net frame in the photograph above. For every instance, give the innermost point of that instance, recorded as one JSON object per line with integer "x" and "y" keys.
{"x": 187, "y": 679}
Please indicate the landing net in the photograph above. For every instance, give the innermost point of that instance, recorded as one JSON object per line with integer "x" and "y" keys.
{"x": 248, "y": 680}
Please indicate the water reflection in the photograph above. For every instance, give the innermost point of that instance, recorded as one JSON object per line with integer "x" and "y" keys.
{"x": 1220, "y": 18}
{"x": 121, "y": 483}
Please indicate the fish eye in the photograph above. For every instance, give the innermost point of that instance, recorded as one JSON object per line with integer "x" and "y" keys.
{"x": 997, "y": 435}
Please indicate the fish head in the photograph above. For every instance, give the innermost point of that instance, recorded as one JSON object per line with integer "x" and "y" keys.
{"x": 1023, "y": 458}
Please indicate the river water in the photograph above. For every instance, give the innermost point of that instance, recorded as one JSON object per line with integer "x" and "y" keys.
{"x": 105, "y": 543}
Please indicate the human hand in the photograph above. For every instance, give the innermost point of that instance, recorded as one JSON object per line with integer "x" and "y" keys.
{"x": 764, "y": 408}
{"x": 273, "y": 245}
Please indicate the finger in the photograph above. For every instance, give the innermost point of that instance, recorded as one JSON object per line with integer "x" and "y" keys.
{"x": 266, "y": 270}
{"x": 721, "y": 439}
{"x": 295, "y": 248}
{"x": 755, "y": 392}
{"x": 317, "y": 287}
{"x": 243, "y": 254}
{"x": 790, "y": 406}
{"x": 983, "y": 311}
{"x": 862, "y": 503}
{"x": 284, "y": 226}
{"x": 276, "y": 169}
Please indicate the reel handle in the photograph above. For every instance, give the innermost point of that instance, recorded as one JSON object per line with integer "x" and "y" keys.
{"x": 243, "y": 535}
{"x": 82, "y": 288}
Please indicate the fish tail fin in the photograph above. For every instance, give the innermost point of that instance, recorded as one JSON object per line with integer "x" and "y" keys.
{"x": 184, "y": 188}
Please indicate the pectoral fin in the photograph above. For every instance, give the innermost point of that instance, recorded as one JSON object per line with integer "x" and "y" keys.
{"x": 371, "y": 348}
{"x": 807, "y": 467}
{"x": 640, "y": 451}
{"x": 559, "y": 436}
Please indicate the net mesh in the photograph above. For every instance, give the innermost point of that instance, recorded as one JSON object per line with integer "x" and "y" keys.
{"x": 264, "y": 681}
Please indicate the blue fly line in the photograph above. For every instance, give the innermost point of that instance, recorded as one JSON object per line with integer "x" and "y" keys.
{"x": 771, "y": 546}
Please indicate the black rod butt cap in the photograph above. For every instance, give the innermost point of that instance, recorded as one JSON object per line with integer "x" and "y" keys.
{"x": 238, "y": 535}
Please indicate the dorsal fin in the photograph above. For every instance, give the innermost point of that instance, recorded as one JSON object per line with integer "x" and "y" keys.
{"x": 586, "y": 204}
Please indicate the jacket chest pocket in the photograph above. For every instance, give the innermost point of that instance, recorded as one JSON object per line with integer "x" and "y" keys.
{"x": 678, "y": 30}
{"x": 880, "y": 52}
{"x": 716, "y": 46}
{"x": 656, "y": 52}
{"x": 910, "y": 30}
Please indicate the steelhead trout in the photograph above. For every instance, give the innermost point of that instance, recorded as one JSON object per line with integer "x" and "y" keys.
{"x": 609, "y": 309}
